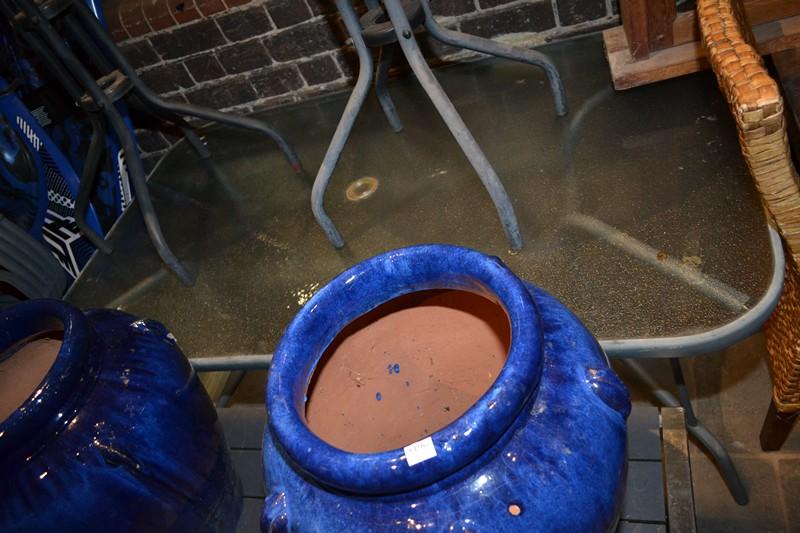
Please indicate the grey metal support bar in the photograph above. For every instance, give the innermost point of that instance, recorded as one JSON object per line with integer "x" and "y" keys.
{"x": 382, "y": 91}
{"x": 84, "y": 78}
{"x": 345, "y": 125}
{"x": 476, "y": 157}
{"x": 514, "y": 53}
{"x": 90, "y": 166}
{"x": 696, "y": 428}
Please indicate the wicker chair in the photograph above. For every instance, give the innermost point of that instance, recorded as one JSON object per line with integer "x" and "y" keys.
{"x": 756, "y": 103}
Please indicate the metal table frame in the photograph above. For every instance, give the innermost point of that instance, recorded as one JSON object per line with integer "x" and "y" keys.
{"x": 672, "y": 348}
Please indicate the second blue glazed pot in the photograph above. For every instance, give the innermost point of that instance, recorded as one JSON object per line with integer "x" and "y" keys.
{"x": 542, "y": 450}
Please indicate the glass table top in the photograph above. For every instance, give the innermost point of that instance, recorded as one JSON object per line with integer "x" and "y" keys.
{"x": 636, "y": 208}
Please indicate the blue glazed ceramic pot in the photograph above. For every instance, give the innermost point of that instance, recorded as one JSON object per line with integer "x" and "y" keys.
{"x": 542, "y": 450}
{"x": 119, "y": 436}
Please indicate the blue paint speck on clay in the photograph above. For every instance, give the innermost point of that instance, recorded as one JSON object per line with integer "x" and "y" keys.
{"x": 378, "y": 396}
{"x": 542, "y": 450}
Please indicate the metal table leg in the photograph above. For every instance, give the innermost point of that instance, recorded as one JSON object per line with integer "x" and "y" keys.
{"x": 455, "y": 124}
{"x": 704, "y": 437}
{"x": 345, "y": 126}
{"x": 384, "y": 63}
{"x": 515, "y": 53}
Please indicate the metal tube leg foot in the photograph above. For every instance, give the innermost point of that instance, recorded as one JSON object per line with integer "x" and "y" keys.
{"x": 96, "y": 148}
{"x": 466, "y": 141}
{"x": 515, "y": 53}
{"x": 707, "y": 439}
{"x": 382, "y": 90}
{"x": 351, "y": 110}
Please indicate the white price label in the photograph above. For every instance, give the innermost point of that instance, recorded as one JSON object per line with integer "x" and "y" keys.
{"x": 420, "y": 451}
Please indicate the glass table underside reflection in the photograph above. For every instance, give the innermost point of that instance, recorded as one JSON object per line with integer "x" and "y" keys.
{"x": 636, "y": 209}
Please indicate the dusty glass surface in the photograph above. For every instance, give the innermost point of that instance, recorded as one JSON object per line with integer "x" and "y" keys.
{"x": 636, "y": 209}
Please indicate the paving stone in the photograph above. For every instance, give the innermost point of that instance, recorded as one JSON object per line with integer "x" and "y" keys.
{"x": 519, "y": 18}
{"x": 233, "y": 92}
{"x": 188, "y": 39}
{"x": 644, "y": 438}
{"x": 576, "y": 11}
{"x": 243, "y": 57}
{"x": 244, "y": 24}
{"x": 644, "y": 493}
{"x": 288, "y": 12}
{"x": 275, "y": 81}
{"x": 139, "y": 54}
{"x": 248, "y": 465}
{"x": 304, "y": 40}
{"x": 204, "y": 67}
{"x": 250, "y": 519}
{"x": 167, "y": 78}
{"x": 320, "y": 70}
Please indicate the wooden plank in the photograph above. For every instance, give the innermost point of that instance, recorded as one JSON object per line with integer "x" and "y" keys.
{"x": 660, "y": 18}
{"x": 771, "y": 37}
{"x": 634, "y": 25}
{"x": 677, "y": 471}
{"x": 761, "y": 11}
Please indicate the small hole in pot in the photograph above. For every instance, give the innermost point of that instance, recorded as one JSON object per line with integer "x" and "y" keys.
{"x": 23, "y": 366}
{"x": 515, "y": 509}
{"x": 407, "y": 369}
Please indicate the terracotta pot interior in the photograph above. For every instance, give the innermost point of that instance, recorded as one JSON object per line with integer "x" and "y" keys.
{"x": 23, "y": 366}
{"x": 407, "y": 369}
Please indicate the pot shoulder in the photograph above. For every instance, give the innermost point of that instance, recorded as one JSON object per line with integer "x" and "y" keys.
{"x": 564, "y": 453}
{"x": 140, "y": 438}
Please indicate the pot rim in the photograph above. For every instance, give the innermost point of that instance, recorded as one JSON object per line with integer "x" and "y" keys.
{"x": 45, "y": 404}
{"x": 356, "y": 292}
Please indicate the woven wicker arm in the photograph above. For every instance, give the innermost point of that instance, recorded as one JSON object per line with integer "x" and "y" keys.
{"x": 756, "y": 103}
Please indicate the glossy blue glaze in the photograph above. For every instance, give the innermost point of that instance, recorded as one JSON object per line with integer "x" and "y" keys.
{"x": 120, "y": 435}
{"x": 547, "y": 438}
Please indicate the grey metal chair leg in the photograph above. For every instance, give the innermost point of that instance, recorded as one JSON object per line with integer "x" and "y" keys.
{"x": 175, "y": 108}
{"x": 466, "y": 141}
{"x": 382, "y": 90}
{"x": 351, "y": 110}
{"x": 705, "y": 438}
{"x": 515, "y": 53}
{"x": 96, "y": 148}
{"x": 84, "y": 78}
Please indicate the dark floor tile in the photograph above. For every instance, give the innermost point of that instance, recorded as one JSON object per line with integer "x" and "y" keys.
{"x": 249, "y": 520}
{"x": 644, "y": 440}
{"x": 644, "y": 493}
{"x": 640, "y": 527}
{"x": 715, "y": 509}
{"x": 243, "y": 426}
{"x": 248, "y": 465}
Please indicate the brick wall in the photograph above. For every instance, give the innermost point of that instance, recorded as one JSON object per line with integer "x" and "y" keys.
{"x": 247, "y": 55}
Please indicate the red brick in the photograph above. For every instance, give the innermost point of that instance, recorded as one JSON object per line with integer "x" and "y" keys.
{"x": 183, "y": 10}
{"x": 234, "y": 3}
{"x": 132, "y": 18}
{"x": 158, "y": 14}
{"x": 209, "y": 7}
{"x": 114, "y": 25}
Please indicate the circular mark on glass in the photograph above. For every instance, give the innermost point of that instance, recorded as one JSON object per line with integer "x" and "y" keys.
{"x": 514, "y": 509}
{"x": 362, "y": 188}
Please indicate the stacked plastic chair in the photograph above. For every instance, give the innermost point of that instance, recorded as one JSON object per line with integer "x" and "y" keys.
{"x": 757, "y": 106}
